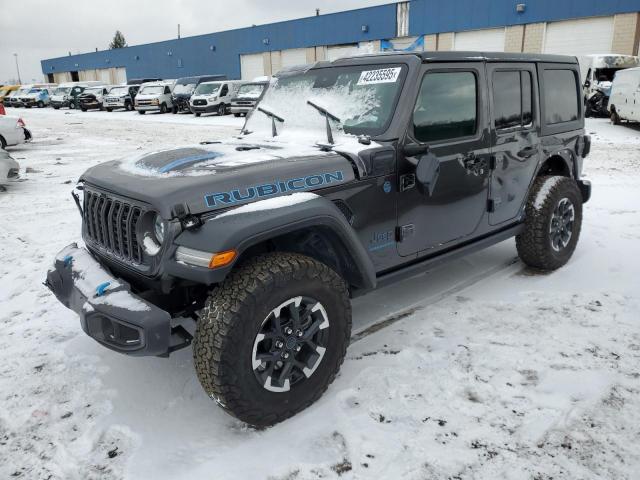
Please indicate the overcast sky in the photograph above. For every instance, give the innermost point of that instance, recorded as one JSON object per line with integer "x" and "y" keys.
{"x": 39, "y": 29}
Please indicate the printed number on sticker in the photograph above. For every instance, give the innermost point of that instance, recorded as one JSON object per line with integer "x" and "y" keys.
{"x": 384, "y": 75}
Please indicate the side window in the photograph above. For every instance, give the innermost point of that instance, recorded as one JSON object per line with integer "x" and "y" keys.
{"x": 560, "y": 96}
{"x": 224, "y": 91}
{"x": 166, "y": 90}
{"x": 512, "y": 102}
{"x": 446, "y": 107}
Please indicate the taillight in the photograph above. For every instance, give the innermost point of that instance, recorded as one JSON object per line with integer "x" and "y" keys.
{"x": 20, "y": 123}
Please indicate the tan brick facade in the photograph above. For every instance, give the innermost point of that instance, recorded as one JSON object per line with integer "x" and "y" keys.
{"x": 445, "y": 41}
{"x": 533, "y": 38}
{"x": 430, "y": 43}
{"x": 513, "y": 38}
{"x": 626, "y": 33}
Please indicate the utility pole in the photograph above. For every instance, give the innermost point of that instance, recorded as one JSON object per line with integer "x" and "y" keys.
{"x": 17, "y": 68}
{"x": 178, "y": 31}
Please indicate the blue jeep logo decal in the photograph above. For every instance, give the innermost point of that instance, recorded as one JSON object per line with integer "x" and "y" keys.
{"x": 268, "y": 189}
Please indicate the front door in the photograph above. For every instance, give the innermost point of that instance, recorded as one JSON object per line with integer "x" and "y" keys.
{"x": 515, "y": 141}
{"x": 450, "y": 116}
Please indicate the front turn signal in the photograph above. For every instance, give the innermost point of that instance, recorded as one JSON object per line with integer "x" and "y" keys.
{"x": 222, "y": 259}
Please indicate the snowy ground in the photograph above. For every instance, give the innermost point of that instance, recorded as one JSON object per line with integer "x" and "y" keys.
{"x": 484, "y": 370}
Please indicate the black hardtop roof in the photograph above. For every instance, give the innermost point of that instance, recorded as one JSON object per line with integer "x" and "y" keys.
{"x": 456, "y": 56}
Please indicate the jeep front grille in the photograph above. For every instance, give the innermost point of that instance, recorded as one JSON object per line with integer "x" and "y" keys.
{"x": 110, "y": 224}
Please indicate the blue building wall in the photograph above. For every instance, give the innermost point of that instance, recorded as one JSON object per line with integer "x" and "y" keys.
{"x": 196, "y": 56}
{"x": 435, "y": 16}
{"x": 219, "y": 53}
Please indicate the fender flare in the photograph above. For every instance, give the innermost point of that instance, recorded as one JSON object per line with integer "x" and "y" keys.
{"x": 243, "y": 230}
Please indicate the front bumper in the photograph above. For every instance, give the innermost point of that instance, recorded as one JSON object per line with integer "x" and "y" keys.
{"x": 204, "y": 108}
{"x": 148, "y": 108}
{"x": 240, "y": 108}
{"x": 59, "y": 103}
{"x": 109, "y": 312}
{"x": 90, "y": 105}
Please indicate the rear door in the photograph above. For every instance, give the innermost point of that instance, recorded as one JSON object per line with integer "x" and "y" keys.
{"x": 515, "y": 142}
{"x": 450, "y": 115}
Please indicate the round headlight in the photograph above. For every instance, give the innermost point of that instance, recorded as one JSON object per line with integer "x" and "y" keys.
{"x": 158, "y": 229}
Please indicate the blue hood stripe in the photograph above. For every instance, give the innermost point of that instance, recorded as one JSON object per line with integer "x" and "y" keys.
{"x": 186, "y": 160}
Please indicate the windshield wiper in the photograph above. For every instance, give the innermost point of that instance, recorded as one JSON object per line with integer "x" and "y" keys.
{"x": 327, "y": 115}
{"x": 273, "y": 117}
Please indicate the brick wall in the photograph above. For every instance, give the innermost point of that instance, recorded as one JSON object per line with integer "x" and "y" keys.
{"x": 513, "y": 38}
{"x": 533, "y": 38}
{"x": 626, "y": 33}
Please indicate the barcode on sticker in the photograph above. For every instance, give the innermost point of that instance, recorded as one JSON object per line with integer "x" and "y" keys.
{"x": 384, "y": 75}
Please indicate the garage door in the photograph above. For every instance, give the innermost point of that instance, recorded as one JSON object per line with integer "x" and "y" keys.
{"x": 491, "y": 40}
{"x": 579, "y": 37}
{"x": 339, "y": 51}
{"x": 251, "y": 66}
{"x": 294, "y": 56}
{"x": 121, "y": 75}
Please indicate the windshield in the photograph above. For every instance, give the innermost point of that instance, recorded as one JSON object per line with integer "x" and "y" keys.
{"x": 94, "y": 90}
{"x": 62, "y": 90}
{"x": 35, "y": 90}
{"x": 152, "y": 90}
{"x": 119, "y": 91}
{"x": 362, "y": 97}
{"x": 251, "y": 90}
{"x": 181, "y": 88}
{"x": 207, "y": 88}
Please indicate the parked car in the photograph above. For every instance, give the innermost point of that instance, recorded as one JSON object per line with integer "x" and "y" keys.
{"x": 140, "y": 81}
{"x": 354, "y": 174}
{"x": 211, "y": 97}
{"x": 9, "y": 168}
{"x": 92, "y": 98}
{"x": 14, "y": 98}
{"x": 598, "y": 72}
{"x": 184, "y": 88}
{"x": 625, "y": 96}
{"x": 13, "y": 131}
{"x": 6, "y": 91}
{"x": 66, "y": 95}
{"x": 154, "y": 96}
{"x": 248, "y": 97}
{"x": 121, "y": 96}
{"x": 36, "y": 97}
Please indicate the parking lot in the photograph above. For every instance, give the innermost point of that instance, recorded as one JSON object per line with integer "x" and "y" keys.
{"x": 481, "y": 368}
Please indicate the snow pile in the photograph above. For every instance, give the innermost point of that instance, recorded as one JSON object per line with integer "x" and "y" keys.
{"x": 542, "y": 194}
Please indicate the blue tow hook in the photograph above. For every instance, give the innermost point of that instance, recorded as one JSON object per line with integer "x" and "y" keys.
{"x": 67, "y": 260}
{"x": 100, "y": 289}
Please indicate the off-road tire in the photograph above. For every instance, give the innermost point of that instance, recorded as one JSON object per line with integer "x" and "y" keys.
{"x": 232, "y": 317}
{"x": 534, "y": 243}
{"x": 615, "y": 118}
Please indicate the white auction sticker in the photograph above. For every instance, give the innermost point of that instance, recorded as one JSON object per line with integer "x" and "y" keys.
{"x": 384, "y": 75}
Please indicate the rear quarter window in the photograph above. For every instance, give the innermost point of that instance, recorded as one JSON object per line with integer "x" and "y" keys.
{"x": 561, "y": 98}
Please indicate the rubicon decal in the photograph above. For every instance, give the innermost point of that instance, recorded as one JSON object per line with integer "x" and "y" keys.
{"x": 269, "y": 189}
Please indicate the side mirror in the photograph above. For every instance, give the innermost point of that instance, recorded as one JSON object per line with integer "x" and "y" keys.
{"x": 414, "y": 149}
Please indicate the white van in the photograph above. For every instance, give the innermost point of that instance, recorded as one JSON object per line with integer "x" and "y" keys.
{"x": 216, "y": 97}
{"x": 597, "y": 73}
{"x": 624, "y": 103}
{"x": 154, "y": 96}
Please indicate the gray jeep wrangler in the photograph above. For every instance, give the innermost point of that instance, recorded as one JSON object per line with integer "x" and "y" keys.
{"x": 349, "y": 175}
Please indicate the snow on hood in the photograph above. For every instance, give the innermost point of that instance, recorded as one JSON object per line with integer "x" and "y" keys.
{"x": 234, "y": 152}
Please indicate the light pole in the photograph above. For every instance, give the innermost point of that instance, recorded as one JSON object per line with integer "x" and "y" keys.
{"x": 17, "y": 68}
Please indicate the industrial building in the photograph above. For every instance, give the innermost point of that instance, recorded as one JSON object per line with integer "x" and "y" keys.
{"x": 574, "y": 27}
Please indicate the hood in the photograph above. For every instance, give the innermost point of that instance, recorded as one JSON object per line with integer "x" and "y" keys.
{"x": 205, "y": 178}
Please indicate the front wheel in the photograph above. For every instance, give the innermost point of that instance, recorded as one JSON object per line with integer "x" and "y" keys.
{"x": 128, "y": 107}
{"x": 553, "y": 223}
{"x": 222, "y": 109}
{"x": 163, "y": 108}
{"x": 197, "y": 114}
{"x": 40, "y": 104}
{"x": 141, "y": 112}
{"x": 109, "y": 110}
{"x": 615, "y": 118}
{"x": 72, "y": 106}
{"x": 272, "y": 337}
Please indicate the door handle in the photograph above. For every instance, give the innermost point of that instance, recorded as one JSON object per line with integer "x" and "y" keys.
{"x": 475, "y": 165}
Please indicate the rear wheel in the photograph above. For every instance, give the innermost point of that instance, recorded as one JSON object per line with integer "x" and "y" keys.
{"x": 553, "y": 223}
{"x": 272, "y": 337}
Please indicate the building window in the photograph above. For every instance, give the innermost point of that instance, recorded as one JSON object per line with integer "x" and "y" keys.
{"x": 446, "y": 107}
